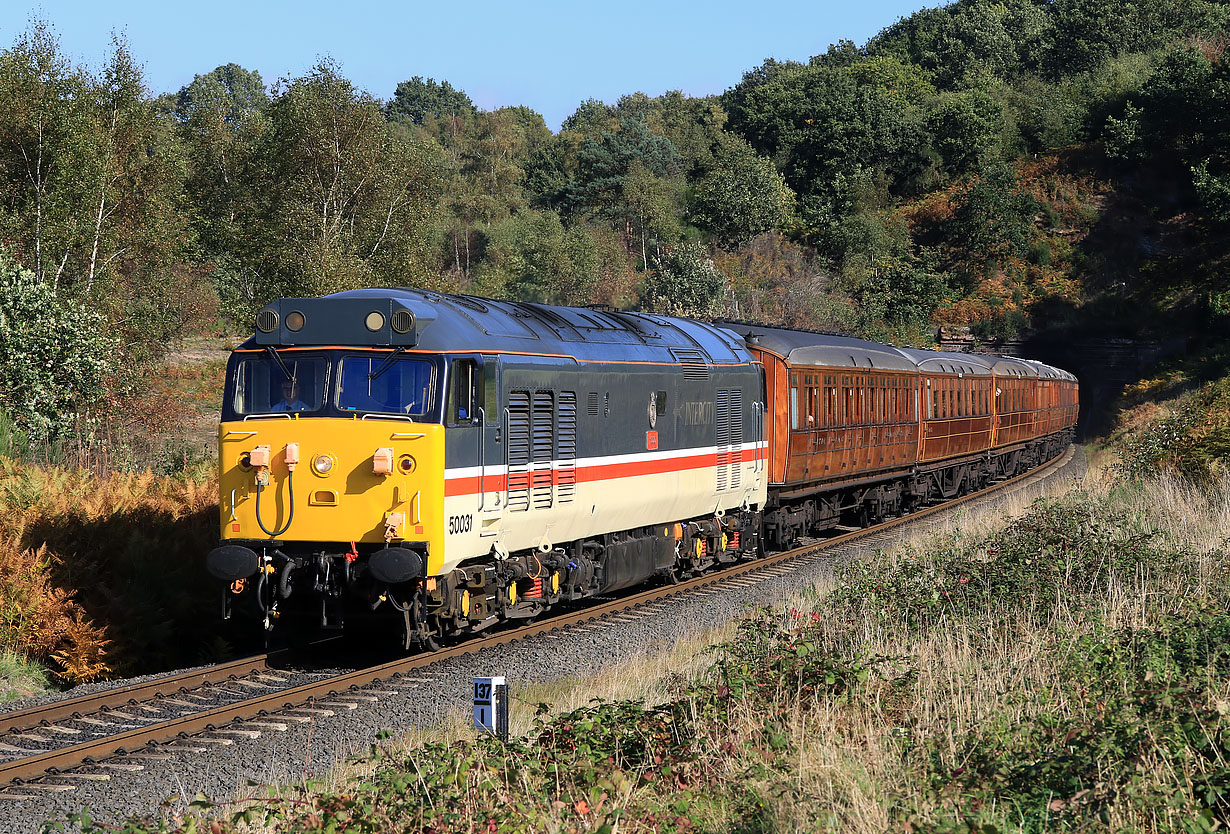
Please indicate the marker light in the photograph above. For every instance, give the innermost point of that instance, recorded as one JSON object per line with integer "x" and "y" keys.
{"x": 295, "y": 321}
{"x": 374, "y": 321}
{"x": 322, "y": 464}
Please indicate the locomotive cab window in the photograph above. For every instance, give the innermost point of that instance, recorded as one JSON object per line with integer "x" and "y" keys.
{"x": 466, "y": 392}
{"x": 375, "y": 385}
{"x": 263, "y": 386}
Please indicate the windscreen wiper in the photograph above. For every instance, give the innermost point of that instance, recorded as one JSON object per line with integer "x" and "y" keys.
{"x": 384, "y": 366}
{"x": 281, "y": 362}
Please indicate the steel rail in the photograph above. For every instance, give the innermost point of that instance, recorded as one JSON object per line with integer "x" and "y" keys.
{"x": 53, "y": 761}
{"x": 44, "y": 714}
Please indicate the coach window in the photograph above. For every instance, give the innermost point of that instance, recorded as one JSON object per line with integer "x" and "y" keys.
{"x": 794, "y": 403}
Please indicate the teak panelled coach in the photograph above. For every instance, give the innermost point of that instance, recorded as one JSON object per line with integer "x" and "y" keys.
{"x": 463, "y": 462}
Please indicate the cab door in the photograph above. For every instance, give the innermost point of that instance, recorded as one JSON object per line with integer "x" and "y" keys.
{"x": 492, "y": 472}
{"x": 473, "y": 419}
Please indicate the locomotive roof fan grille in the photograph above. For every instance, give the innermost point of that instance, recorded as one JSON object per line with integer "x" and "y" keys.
{"x": 267, "y": 320}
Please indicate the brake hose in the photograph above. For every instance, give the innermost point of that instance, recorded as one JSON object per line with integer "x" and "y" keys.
{"x": 290, "y": 487}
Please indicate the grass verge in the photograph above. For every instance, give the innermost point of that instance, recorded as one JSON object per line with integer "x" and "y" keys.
{"x": 21, "y": 678}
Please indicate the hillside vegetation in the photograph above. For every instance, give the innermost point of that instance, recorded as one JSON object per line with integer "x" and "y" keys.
{"x": 1001, "y": 166}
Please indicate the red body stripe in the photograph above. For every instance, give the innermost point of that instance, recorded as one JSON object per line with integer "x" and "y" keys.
{"x": 470, "y": 485}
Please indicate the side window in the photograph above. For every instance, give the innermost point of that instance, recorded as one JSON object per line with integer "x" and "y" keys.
{"x": 466, "y": 392}
{"x": 794, "y": 407}
{"x": 491, "y": 392}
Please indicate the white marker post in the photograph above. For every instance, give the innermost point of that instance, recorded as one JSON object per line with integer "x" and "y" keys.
{"x": 491, "y": 706}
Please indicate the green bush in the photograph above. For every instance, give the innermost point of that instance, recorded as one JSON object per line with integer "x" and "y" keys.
{"x": 54, "y": 354}
{"x": 684, "y": 281}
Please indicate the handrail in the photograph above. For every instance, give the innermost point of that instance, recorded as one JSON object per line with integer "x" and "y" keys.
{"x": 482, "y": 458}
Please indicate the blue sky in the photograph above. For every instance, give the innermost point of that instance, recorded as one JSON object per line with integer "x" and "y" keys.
{"x": 549, "y": 56}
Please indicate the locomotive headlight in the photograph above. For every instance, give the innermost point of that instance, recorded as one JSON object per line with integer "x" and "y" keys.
{"x": 295, "y": 321}
{"x": 374, "y": 320}
{"x": 322, "y": 464}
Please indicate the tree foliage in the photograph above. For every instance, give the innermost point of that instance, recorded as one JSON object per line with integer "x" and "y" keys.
{"x": 741, "y": 196}
{"x": 685, "y": 282}
{"x": 885, "y": 182}
{"x": 420, "y": 101}
{"x": 344, "y": 201}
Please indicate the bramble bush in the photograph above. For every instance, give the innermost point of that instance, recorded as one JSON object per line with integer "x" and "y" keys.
{"x": 1192, "y": 440}
{"x": 1146, "y": 738}
{"x": 1064, "y": 554}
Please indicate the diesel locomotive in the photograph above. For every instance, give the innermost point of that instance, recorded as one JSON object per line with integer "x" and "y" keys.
{"x": 459, "y": 462}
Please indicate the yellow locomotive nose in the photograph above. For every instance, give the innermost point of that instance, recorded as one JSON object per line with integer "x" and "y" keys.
{"x": 366, "y": 481}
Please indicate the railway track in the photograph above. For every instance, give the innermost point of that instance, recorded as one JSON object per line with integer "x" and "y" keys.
{"x": 120, "y": 728}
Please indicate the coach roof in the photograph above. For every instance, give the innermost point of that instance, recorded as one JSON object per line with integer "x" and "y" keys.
{"x": 934, "y": 361}
{"x": 807, "y": 347}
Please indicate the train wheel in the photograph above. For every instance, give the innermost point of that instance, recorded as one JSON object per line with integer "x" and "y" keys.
{"x": 419, "y": 631}
{"x": 428, "y": 642}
